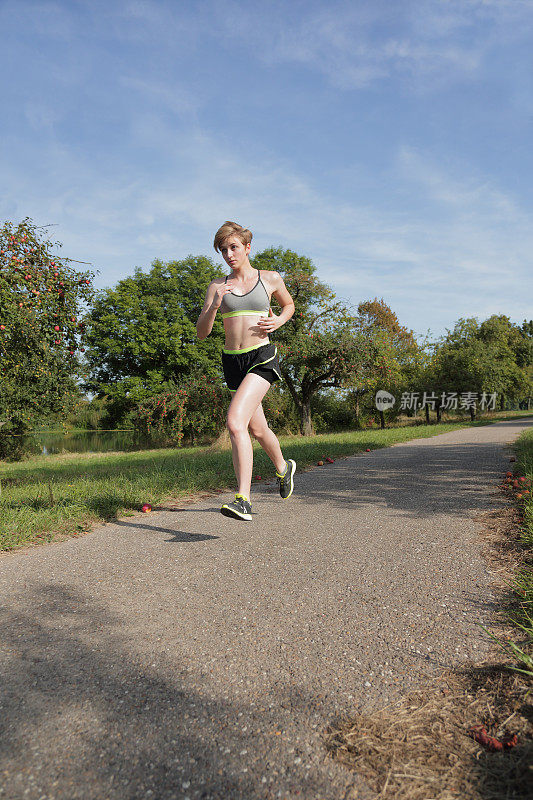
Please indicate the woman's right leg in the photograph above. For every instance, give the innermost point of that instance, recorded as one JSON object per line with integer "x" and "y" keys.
{"x": 241, "y": 409}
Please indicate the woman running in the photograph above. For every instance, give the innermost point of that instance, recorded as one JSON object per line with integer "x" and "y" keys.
{"x": 249, "y": 359}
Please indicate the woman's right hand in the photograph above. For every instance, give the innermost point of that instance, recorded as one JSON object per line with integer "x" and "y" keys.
{"x": 220, "y": 291}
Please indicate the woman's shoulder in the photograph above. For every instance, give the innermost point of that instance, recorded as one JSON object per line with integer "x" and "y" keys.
{"x": 272, "y": 280}
{"x": 270, "y": 276}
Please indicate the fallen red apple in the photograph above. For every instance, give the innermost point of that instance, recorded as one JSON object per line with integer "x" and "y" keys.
{"x": 320, "y": 463}
{"x": 522, "y": 479}
{"x": 329, "y": 460}
{"x": 519, "y": 496}
{"x": 508, "y": 474}
{"x": 257, "y": 477}
{"x": 516, "y": 484}
{"x": 146, "y": 508}
{"x": 368, "y": 449}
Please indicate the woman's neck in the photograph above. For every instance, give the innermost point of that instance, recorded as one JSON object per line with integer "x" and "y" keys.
{"x": 244, "y": 272}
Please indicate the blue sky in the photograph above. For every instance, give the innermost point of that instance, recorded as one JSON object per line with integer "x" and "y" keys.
{"x": 388, "y": 141}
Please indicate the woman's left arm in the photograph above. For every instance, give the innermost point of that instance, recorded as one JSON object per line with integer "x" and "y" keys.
{"x": 278, "y": 290}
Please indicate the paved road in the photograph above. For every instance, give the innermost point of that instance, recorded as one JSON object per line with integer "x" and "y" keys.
{"x": 187, "y": 655}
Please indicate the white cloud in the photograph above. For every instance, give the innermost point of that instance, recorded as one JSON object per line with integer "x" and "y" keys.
{"x": 466, "y": 252}
{"x": 441, "y": 242}
{"x": 174, "y": 98}
{"x": 354, "y": 44}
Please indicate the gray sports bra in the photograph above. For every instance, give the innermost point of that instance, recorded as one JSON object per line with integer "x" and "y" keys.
{"x": 254, "y": 302}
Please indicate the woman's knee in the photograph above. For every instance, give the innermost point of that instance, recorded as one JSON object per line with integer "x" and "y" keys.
{"x": 235, "y": 424}
{"x": 258, "y": 429}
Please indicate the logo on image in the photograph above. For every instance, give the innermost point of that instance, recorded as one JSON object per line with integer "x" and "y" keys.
{"x": 384, "y": 400}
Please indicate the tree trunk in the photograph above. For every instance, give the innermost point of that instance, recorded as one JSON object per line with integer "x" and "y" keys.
{"x": 502, "y": 403}
{"x": 439, "y": 414}
{"x": 381, "y": 419}
{"x": 427, "y": 413}
{"x": 472, "y": 413}
{"x": 306, "y": 422}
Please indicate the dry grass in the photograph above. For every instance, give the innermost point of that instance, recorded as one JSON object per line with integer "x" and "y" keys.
{"x": 419, "y": 747}
{"x": 221, "y": 443}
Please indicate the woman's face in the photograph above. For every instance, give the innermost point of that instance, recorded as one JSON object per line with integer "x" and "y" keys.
{"x": 234, "y": 252}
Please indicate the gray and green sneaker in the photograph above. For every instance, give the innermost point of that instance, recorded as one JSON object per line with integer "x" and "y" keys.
{"x": 286, "y": 481}
{"x": 240, "y": 508}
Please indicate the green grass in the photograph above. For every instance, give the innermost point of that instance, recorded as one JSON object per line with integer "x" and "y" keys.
{"x": 49, "y": 497}
{"x": 520, "y": 648}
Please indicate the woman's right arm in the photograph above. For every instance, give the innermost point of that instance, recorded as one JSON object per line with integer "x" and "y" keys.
{"x": 213, "y": 299}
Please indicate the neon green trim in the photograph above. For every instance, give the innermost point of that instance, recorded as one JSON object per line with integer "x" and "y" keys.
{"x": 245, "y": 313}
{"x": 265, "y": 362}
{"x": 245, "y": 350}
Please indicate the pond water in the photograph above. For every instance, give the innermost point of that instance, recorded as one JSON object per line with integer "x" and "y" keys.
{"x": 90, "y": 441}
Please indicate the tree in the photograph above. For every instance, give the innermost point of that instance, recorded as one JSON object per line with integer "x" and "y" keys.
{"x": 490, "y": 357}
{"x": 399, "y": 358}
{"x": 41, "y": 295}
{"x": 526, "y": 360}
{"x": 142, "y": 333}
{"x": 322, "y": 345}
{"x": 512, "y": 350}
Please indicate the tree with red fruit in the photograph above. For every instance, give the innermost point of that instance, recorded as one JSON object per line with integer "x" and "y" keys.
{"x": 399, "y": 357}
{"x": 41, "y": 296}
{"x": 323, "y": 346}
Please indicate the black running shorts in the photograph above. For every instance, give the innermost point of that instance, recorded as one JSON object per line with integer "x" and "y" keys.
{"x": 261, "y": 360}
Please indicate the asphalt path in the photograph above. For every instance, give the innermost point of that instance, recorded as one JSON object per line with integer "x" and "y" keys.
{"x": 188, "y": 655}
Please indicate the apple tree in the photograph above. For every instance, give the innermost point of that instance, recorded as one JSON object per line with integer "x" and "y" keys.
{"x": 398, "y": 356}
{"x": 41, "y": 296}
{"x": 323, "y": 344}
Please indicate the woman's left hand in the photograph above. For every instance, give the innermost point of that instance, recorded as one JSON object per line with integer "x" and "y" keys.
{"x": 270, "y": 323}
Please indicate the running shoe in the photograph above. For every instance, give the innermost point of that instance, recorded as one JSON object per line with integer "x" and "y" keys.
{"x": 286, "y": 481}
{"x": 241, "y": 508}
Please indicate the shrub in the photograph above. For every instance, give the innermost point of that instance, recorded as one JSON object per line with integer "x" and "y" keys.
{"x": 280, "y": 411}
{"x": 196, "y": 410}
{"x": 334, "y": 411}
{"x": 160, "y": 418}
{"x": 205, "y": 411}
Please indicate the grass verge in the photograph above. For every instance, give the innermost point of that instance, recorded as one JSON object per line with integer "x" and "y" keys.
{"x": 50, "y": 497}
{"x": 421, "y": 746}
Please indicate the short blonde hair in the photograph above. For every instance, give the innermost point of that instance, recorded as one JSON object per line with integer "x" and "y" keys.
{"x": 231, "y": 229}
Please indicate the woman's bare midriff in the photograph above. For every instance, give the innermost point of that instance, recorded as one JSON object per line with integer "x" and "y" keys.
{"x": 242, "y": 332}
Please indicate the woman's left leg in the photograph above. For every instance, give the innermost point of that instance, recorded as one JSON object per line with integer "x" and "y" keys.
{"x": 267, "y": 438}
{"x": 241, "y": 409}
